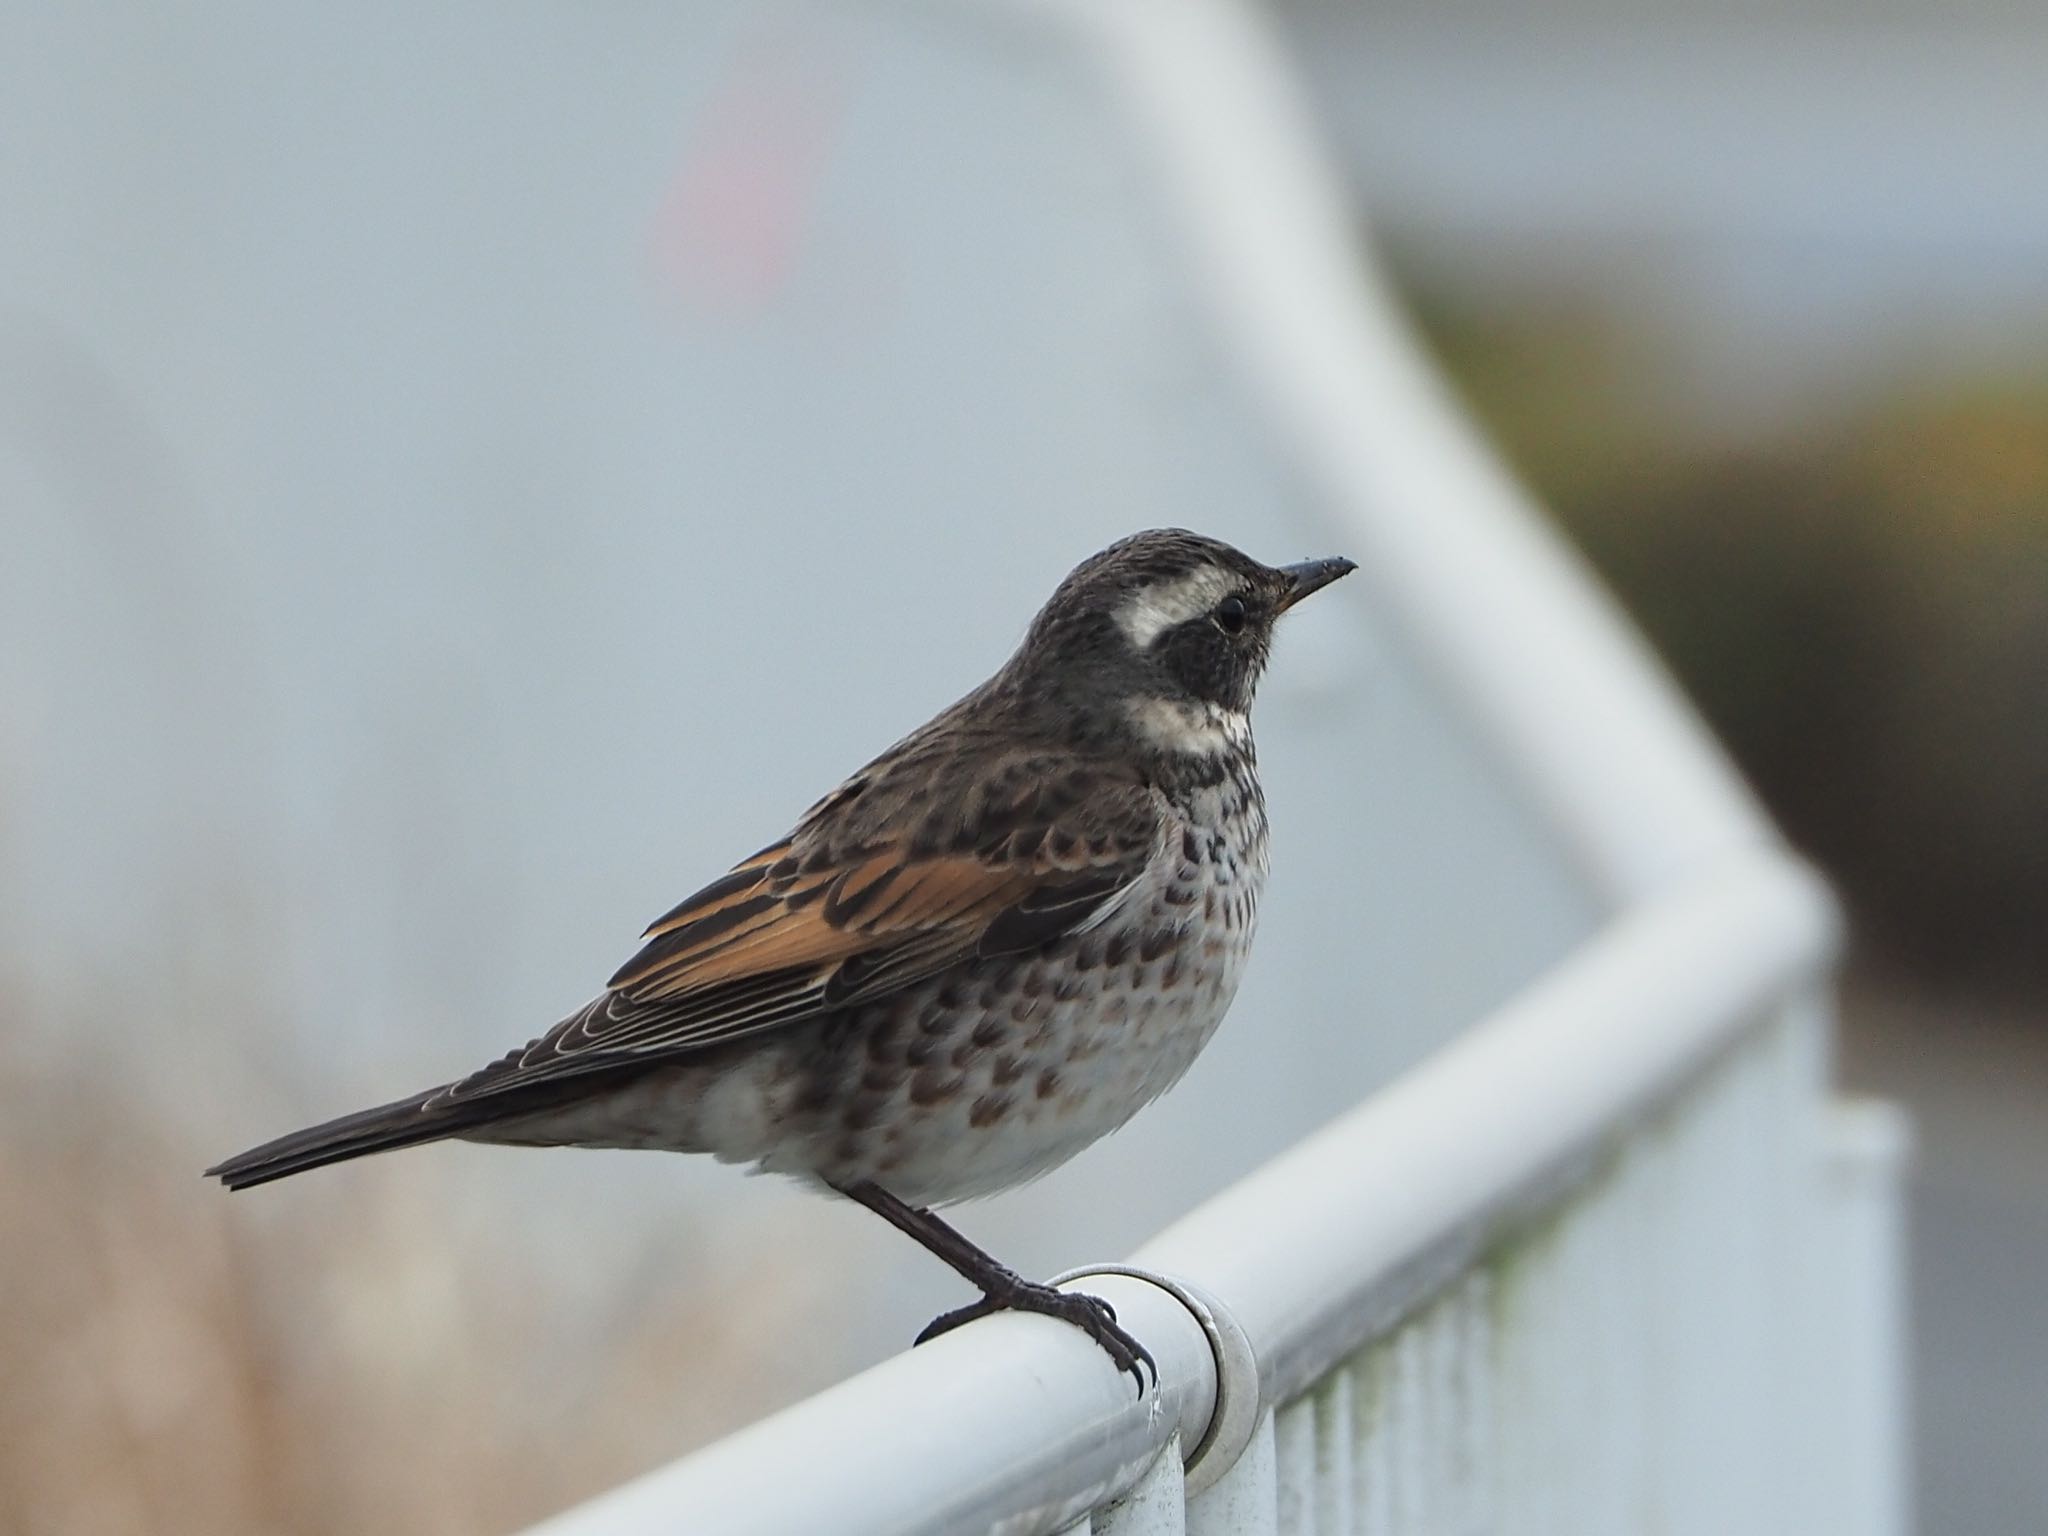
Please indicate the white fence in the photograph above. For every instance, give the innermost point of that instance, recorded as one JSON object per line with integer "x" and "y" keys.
{"x": 1603, "y": 1266}
{"x": 1612, "y": 1261}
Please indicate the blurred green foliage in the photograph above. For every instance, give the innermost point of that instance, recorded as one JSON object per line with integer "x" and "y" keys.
{"x": 1858, "y": 602}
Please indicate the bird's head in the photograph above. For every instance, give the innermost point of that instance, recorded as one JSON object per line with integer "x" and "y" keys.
{"x": 1167, "y": 631}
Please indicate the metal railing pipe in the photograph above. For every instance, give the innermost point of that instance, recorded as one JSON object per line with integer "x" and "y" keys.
{"x": 1020, "y": 1425}
{"x": 1577, "y": 711}
{"x": 1013, "y": 1424}
{"x": 1327, "y": 1243}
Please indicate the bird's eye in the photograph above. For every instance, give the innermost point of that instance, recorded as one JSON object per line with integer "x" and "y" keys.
{"x": 1230, "y": 614}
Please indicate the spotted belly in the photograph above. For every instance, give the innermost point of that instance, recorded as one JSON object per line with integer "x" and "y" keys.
{"x": 980, "y": 1078}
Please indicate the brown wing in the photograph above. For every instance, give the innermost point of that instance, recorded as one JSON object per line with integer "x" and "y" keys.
{"x": 835, "y": 915}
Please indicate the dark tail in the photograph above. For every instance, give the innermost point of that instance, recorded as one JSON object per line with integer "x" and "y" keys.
{"x": 406, "y": 1123}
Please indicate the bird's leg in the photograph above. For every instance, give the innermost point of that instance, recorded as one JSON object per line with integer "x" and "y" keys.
{"x": 1002, "y": 1288}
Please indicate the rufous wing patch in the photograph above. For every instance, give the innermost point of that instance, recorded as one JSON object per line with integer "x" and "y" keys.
{"x": 799, "y": 928}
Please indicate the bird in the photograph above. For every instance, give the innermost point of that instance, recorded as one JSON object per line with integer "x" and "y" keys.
{"x": 979, "y": 954}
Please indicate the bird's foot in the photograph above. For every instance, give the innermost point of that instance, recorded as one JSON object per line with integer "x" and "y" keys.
{"x": 1091, "y": 1314}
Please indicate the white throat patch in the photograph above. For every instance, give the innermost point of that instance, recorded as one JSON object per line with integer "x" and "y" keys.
{"x": 1200, "y": 730}
{"x": 1151, "y": 611}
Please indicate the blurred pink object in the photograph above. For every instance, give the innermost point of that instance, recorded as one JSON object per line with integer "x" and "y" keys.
{"x": 729, "y": 232}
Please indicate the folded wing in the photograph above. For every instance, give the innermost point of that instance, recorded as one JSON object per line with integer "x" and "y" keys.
{"x": 826, "y": 919}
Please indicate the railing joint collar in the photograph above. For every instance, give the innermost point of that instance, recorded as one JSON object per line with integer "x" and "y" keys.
{"x": 1235, "y": 1418}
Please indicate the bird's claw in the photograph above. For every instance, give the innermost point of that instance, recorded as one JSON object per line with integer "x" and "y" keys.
{"x": 1091, "y": 1314}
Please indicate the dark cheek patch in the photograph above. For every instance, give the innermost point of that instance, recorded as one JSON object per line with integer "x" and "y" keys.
{"x": 1205, "y": 662}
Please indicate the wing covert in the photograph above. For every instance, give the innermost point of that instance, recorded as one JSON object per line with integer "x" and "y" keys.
{"x": 817, "y": 922}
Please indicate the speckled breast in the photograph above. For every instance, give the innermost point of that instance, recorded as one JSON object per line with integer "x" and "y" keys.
{"x": 1000, "y": 1070}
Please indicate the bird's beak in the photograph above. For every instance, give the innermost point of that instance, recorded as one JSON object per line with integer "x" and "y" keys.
{"x": 1311, "y": 576}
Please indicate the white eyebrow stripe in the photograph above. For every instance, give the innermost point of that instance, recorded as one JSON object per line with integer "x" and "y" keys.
{"x": 1151, "y": 611}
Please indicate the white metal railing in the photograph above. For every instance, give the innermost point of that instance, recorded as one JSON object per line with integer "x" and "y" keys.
{"x": 1572, "y": 1274}
{"x": 1609, "y": 1262}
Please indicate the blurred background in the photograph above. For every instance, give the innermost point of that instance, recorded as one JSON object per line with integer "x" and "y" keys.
{"x": 467, "y": 476}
